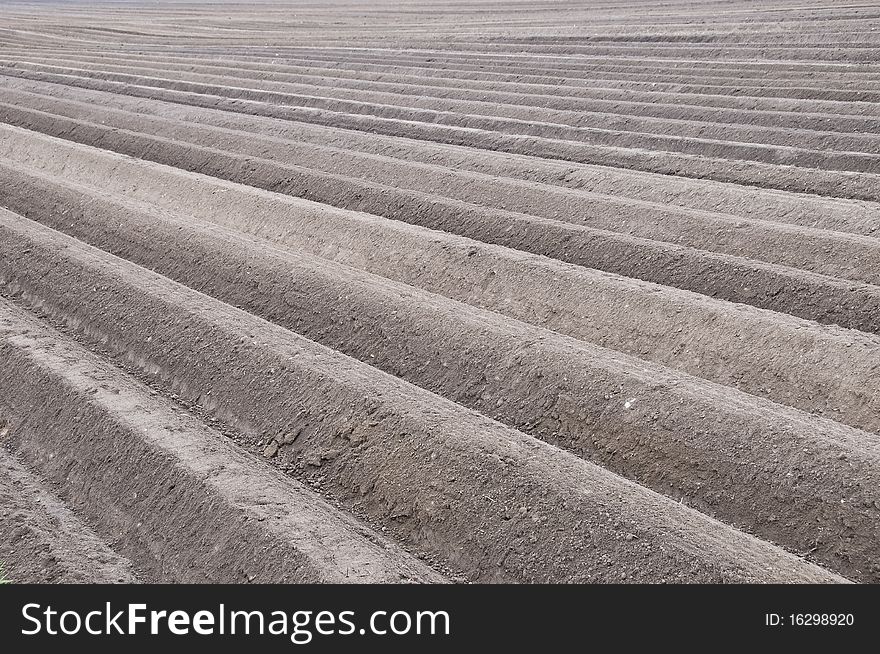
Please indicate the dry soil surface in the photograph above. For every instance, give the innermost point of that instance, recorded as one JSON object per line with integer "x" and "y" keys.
{"x": 355, "y": 291}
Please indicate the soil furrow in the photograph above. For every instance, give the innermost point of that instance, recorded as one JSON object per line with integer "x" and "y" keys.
{"x": 816, "y": 250}
{"x": 835, "y": 183}
{"x": 384, "y": 445}
{"x": 479, "y": 360}
{"x": 807, "y": 295}
{"x": 733, "y": 344}
{"x": 579, "y": 123}
{"x": 543, "y": 292}
{"x": 174, "y": 497}
{"x": 41, "y": 540}
{"x": 721, "y": 143}
{"x": 743, "y": 202}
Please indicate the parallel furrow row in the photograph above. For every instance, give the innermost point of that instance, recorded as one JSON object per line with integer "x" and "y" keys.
{"x": 440, "y": 292}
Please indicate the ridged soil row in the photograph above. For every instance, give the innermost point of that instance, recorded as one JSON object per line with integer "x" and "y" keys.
{"x": 468, "y": 57}
{"x": 805, "y": 38}
{"x": 521, "y": 68}
{"x": 620, "y": 129}
{"x": 802, "y": 50}
{"x": 585, "y": 396}
{"x": 41, "y": 540}
{"x": 560, "y": 93}
{"x": 725, "y": 141}
{"x": 717, "y": 197}
{"x": 866, "y": 55}
{"x": 675, "y": 72}
{"x": 823, "y": 117}
{"x": 839, "y": 183}
{"x": 496, "y": 503}
{"x": 797, "y": 73}
{"x": 817, "y": 250}
{"x": 484, "y": 51}
{"x": 800, "y": 363}
{"x": 167, "y": 492}
{"x": 804, "y": 294}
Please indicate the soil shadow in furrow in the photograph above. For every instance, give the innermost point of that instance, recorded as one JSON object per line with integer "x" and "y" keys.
{"x": 41, "y": 539}
{"x": 176, "y": 499}
{"x": 494, "y": 502}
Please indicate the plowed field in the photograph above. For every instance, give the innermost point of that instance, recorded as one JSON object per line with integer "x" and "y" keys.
{"x": 439, "y": 292}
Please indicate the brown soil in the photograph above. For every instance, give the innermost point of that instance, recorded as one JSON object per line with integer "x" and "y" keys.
{"x": 588, "y": 295}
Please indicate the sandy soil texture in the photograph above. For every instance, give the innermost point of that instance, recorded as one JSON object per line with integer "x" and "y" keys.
{"x": 544, "y": 291}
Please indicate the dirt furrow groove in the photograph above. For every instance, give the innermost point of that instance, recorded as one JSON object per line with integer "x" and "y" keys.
{"x": 735, "y": 109}
{"x": 804, "y": 294}
{"x": 545, "y": 292}
{"x": 849, "y": 184}
{"x": 580, "y": 124}
{"x": 712, "y": 339}
{"x": 678, "y": 71}
{"x": 717, "y": 197}
{"x": 513, "y": 372}
{"x": 395, "y": 450}
{"x": 179, "y": 502}
{"x": 815, "y": 250}
{"x": 452, "y": 119}
{"x": 41, "y": 539}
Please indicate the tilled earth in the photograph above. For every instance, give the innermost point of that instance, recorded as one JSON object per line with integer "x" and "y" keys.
{"x": 426, "y": 292}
